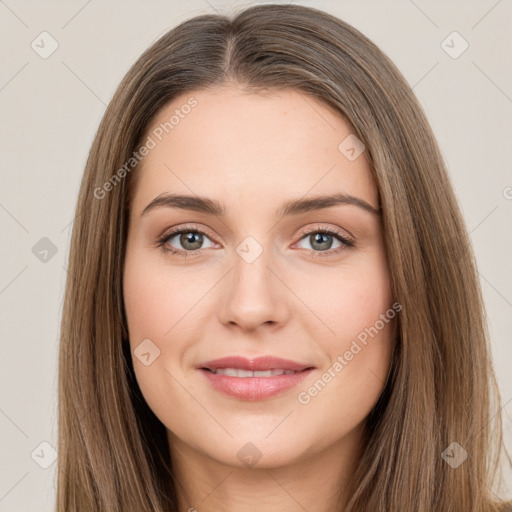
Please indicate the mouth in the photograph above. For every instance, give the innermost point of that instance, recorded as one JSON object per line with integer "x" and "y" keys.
{"x": 238, "y": 372}
{"x": 254, "y": 379}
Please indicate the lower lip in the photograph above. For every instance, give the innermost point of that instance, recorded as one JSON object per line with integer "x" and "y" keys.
{"x": 254, "y": 388}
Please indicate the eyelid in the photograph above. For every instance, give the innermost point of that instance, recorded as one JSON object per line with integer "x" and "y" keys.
{"x": 319, "y": 227}
{"x": 186, "y": 227}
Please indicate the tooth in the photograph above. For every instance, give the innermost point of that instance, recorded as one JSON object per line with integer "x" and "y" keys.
{"x": 230, "y": 372}
{"x": 236, "y": 372}
{"x": 245, "y": 373}
{"x": 264, "y": 373}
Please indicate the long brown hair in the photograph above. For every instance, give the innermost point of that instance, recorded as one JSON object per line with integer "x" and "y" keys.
{"x": 113, "y": 451}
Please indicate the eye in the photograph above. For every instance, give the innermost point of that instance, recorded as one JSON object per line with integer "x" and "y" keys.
{"x": 189, "y": 240}
{"x": 321, "y": 241}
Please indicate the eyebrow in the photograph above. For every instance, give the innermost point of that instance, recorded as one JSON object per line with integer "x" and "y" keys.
{"x": 293, "y": 207}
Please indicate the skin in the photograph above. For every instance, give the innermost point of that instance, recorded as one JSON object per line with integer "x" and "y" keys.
{"x": 252, "y": 152}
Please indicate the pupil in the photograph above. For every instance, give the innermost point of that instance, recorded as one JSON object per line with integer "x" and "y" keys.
{"x": 195, "y": 239}
{"x": 321, "y": 238}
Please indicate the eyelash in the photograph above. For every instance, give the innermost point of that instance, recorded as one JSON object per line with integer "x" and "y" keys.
{"x": 346, "y": 242}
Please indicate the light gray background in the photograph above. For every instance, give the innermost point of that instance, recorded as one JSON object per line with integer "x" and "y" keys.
{"x": 50, "y": 109}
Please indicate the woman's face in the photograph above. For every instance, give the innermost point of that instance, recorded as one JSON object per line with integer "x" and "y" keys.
{"x": 261, "y": 279}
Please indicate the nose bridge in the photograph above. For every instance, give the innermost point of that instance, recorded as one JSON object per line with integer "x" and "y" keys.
{"x": 252, "y": 294}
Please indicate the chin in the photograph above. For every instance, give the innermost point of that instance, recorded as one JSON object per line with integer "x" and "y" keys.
{"x": 257, "y": 454}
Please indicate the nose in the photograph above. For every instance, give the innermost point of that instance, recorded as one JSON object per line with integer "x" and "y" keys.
{"x": 253, "y": 294}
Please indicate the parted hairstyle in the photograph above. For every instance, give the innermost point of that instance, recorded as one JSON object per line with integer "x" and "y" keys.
{"x": 113, "y": 453}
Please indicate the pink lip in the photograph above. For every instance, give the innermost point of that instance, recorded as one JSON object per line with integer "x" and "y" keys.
{"x": 257, "y": 364}
{"x": 254, "y": 388}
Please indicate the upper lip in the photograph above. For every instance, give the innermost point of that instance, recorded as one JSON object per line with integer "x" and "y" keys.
{"x": 257, "y": 364}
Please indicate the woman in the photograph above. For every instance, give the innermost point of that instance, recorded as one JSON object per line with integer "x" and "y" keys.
{"x": 274, "y": 301}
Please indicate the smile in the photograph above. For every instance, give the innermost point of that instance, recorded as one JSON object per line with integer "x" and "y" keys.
{"x": 238, "y": 372}
{"x": 254, "y": 379}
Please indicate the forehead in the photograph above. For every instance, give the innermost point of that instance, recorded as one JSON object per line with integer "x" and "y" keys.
{"x": 234, "y": 145}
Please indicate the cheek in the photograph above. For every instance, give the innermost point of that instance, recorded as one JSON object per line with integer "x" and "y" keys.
{"x": 168, "y": 306}
{"x": 349, "y": 301}
{"x": 362, "y": 319}
{"x": 158, "y": 307}
{"x": 155, "y": 298}
{"x": 356, "y": 308}
{"x": 145, "y": 305}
